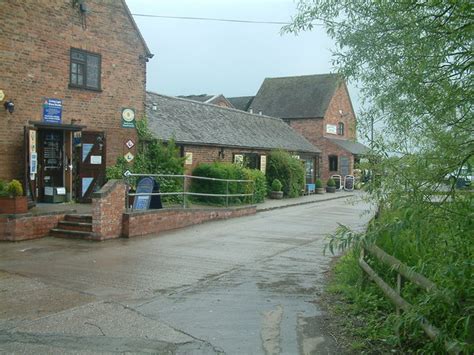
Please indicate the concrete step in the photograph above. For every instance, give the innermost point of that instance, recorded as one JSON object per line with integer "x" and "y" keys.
{"x": 75, "y": 226}
{"x": 70, "y": 234}
{"x": 81, "y": 218}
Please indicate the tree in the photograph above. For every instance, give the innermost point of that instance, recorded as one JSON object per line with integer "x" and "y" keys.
{"x": 414, "y": 63}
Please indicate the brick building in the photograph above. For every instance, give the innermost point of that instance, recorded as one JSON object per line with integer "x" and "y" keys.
{"x": 207, "y": 133}
{"x": 318, "y": 107}
{"x": 75, "y": 72}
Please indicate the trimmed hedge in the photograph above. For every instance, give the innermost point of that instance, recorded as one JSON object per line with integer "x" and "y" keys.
{"x": 282, "y": 166}
{"x": 230, "y": 172}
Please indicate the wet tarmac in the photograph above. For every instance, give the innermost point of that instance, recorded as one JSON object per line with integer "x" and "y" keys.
{"x": 242, "y": 286}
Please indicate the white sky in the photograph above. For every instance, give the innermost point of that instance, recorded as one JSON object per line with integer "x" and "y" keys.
{"x": 196, "y": 57}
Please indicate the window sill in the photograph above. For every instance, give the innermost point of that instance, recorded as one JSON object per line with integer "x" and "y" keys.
{"x": 74, "y": 87}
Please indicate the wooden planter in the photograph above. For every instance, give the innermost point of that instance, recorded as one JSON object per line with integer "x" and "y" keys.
{"x": 331, "y": 189}
{"x": 13, "y": 205}
{"x": 320, "y": 190}
{"x": 276, "y": 195}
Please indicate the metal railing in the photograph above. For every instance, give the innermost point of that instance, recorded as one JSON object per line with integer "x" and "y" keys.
{"x": 185, "y": 185}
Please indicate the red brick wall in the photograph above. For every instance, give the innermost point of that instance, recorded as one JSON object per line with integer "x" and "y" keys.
{"x": 35, "y": 41}
{"x": 27, "y": 226}
{"x": 314, "y": 130}
{"x": 108, "y": 206}
{"x": 153, "y": 222}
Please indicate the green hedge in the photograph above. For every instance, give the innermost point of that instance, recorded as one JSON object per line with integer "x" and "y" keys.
{"x": 290, "y": 172}
{"x": 231, "y": 172}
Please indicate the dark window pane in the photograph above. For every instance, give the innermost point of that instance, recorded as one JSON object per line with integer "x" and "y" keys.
{"x": 93, "y": 71}
{"x": 74, "y": 79}
{"x": 74, "y": 68}
{"x": 80, "y": 80}
{"x": 75, "y": 55}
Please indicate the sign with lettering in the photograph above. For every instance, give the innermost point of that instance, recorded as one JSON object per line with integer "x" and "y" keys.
{"x": 129, "y": 144}
{"x": 331, "y": 128}
{"x": 189, "y": 158}
{"x": 263, "y": 163}
{"x": 128, "y": 118}
{"x": 52, "y": 110}
{"x": 145, "y": 185}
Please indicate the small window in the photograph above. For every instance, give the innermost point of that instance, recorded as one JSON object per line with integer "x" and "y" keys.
{"x": 340, "y": 129}
{"x": 333, "y": 163}
{"x": 85, "y": 70}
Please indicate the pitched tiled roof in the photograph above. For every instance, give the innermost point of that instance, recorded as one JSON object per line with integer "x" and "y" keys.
{"x": 241, "y": 102}
{"x": 296, "y": 96}
{"x": 193, "y": 122}
{"x": 200, "y": 98}
{"x": 351, "y": 146}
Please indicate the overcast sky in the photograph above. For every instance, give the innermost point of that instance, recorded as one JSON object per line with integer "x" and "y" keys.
{"x": 196, "y": 57}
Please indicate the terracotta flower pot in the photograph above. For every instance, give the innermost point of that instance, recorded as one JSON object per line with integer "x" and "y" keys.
{"x": 13, "y": 205}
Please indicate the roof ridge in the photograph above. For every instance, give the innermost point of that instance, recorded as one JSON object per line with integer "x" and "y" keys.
{"x": 215, "y": 106}
{"x": 303, "y": 76}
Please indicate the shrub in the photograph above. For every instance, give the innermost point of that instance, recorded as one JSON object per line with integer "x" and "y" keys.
{"x": 232, "y": 172}
{"x": 3, "y": 189}
{"x": 318, "y": 184}
{"x": 290, "y": 172}
{"x": 276, "y": 185}
{"x": 14, "y": 188}
{"x": 331, "y": 183}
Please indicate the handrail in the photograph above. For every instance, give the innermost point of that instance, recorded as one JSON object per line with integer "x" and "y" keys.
{"x": 185, "y": 193}
{"x": 394, "y": 295}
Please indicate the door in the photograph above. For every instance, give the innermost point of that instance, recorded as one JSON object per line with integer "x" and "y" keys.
{"x": 50, "y": 163}
{"x": 91, "y": 165}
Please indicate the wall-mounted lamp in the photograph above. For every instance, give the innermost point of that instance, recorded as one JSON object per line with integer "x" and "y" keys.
{"x": 221, "y": 153}
{"x": 9, "y": 106}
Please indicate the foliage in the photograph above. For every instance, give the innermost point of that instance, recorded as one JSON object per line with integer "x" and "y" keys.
{"x": 11, "y": 189}
{"x": 331, "y": 183}
{"x": 413, "y": 61}
{"x": 153, "y": 157}
{"x": 318, "y": 184}
{"x": 276, "y": 185}
{"x": 3, "y": 189}
{"x": 282, "y": 166}
{"x": 228, "y": 171}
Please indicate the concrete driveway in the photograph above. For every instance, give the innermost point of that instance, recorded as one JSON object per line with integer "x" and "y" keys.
{"x": 240, "y": 286}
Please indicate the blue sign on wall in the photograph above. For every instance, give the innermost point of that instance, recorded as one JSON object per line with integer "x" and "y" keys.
{"x": 52, "y": 110}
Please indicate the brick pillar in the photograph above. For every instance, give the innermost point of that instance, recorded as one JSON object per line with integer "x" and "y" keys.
{"x": 108, "y": 206}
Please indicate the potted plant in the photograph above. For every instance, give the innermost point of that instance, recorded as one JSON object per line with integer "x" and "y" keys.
{"x": 319, "y": 186}
{"x": 12, "y": 199}
{"x": 331, "y": 186}
{"x": 276, "y": 192}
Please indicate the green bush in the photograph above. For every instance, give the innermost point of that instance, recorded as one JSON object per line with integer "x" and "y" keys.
{"x": 3, "y": 189}
{"x": 318, "y": 184}
{"x": 231, "y": 172}
{"x": 276, "y": 185}
{"x": 331, "y": 183}
{"x": 15, "y": 188}
{"x": 290, "y": 172}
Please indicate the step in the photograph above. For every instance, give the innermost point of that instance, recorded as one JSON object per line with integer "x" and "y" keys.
{"x": 69, "y": 234}
{"x": 82, "y": 218}
{"x": 75, "y": 226}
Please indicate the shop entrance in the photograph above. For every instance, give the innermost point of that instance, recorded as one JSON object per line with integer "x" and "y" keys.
{"x": 48, "y": 161}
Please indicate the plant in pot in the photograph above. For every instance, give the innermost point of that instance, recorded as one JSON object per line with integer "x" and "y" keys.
{"x": 319, "y": 186}
{"x": 276, "y": 192}
{"x": 12, "y": 199}
{"x": 331, "y": 186}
